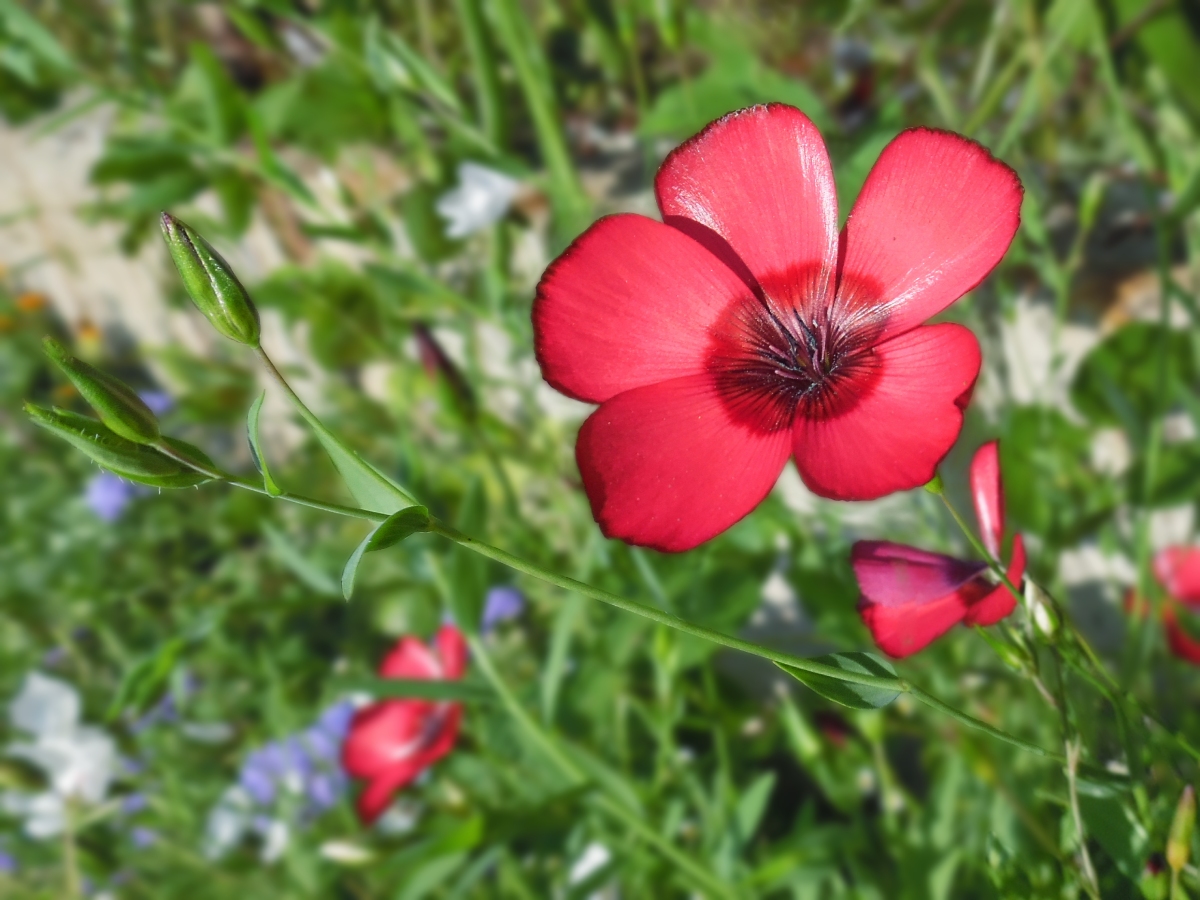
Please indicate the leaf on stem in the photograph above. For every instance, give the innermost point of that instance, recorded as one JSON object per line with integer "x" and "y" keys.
{"x": 391, "y": 531}
{"x": 848, "y": 693}
{"x": 256, "y": 452}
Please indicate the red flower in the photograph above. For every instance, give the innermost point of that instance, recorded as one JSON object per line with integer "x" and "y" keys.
{"x": 1178, "y": 571}
{"x": 911, "y": 596}
{"x": 743, "y": 328}
{"x": 391, "y": 742}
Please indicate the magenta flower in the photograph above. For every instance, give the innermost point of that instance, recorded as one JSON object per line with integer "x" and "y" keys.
{"x": 910, "y": 596}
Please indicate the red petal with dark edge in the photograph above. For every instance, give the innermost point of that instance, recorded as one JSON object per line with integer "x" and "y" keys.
{"x": 668, "y": 466}
{"x": 630, "y": 303}
{"x": 903, "y": 630}
{"x": 757, "y": 188}
{"x": 935, "y": 216}
{"x": 898, "y": 575}
{"x": 988, "y": 493}
{"x": 1000, "y": 602}
{"x": 1178, "y": 571}
{"x": 893, "y": 436}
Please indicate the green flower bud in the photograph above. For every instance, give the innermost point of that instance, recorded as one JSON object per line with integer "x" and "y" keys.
{"x": 135, "y": 462}
{"x": 210, "y": 283}
{"x": 1042, "y": 614}
{"x": 117, "y": 405}
{"x": 1179, "y": 842}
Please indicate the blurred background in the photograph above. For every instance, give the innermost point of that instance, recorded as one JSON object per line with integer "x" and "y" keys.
{"x": 389, "y": 179}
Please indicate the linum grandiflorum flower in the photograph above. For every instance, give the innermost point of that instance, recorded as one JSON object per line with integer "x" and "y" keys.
{"x": 393, "y": 741}
{"x": 1178, "y": 571}
{"x": 743, "y": 328}
{"x": 911, "y": 596}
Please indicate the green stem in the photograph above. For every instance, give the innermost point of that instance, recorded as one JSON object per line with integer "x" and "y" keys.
{"x": 218, "y": 475}
{"x": 553, "y": 752}
{"x": 347, "y": 462}
{"x": 717, "y": 637}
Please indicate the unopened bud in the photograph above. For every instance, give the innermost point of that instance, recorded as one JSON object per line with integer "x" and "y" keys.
{"x": 211, "y": 284}
{"x": 114, "y": 401}
{"x": 1041, "y": 610}
{"x": 1179, "y": 842}
{"x": 135, "y": 462}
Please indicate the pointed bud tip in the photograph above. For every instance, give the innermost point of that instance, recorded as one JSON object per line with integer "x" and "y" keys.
{"x": 117, "y": 404}
{"x": 211, "y": 282}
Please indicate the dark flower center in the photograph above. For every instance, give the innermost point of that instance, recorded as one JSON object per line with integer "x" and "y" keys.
{"x": 781, "y": 354}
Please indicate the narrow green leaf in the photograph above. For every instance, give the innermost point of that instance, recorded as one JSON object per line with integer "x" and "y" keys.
{"x": 351, "y": 569}
{"x": 459, "y": 691}
{"x": 256, "y": 452}
{"x": 751, "y": 806}
{"x": 391, "y": 531}
{"x": 397, "y": 527}
{"x": 847, "y": 693}
{"x": 370, "y": 488}
{"x": 394, "y": 63}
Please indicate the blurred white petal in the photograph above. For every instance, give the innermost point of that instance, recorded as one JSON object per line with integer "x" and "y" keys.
{"x": 481, "y": 199}
{"x": 44, "y": 706}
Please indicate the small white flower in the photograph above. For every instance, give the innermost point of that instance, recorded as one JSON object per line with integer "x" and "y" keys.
{"x": 595, "y": 857}
{"x": 275, "y": 837}
{"x": 228, "y": 821}
{"x": 481, "y": 199}
{"x": 401, "y": 817}
{"x": 347, "y": 853}
{"x": 44, "y": 815}
{"x": 44, "y": 706}
{"x": 78, "y": 760}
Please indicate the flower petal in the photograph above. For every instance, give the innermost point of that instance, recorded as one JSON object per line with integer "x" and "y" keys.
{"x": 894, "y": 436}
{"x": 1179, "y": 641}
{"x": 1000, "y": 602}
{"x": 935, "y": 216}
{"x": 988, "y": 493}
{"x": 1178, "y": 571}
{"x": 668, "y": 467}
{"x": 385, "y": 733}
{"x": 903, "y": 630}
{"x": 757, "y": 188}
{"x": 898, "y": 575}
{"x": 452, "y": 648}
{"x": 410, "y": 658}
{"x": 628, "y": 304}
{"x": 377, "y": 795}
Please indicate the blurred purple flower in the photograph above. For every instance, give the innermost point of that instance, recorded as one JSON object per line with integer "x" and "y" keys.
{"x": 335, "y": 721}
{"x": 257, "y": 777}
{"x": 108, "y": 495}
{"x": 8, "y": 863}
{"x": 160, "y": 402}
{"x": 143, "y": 837}
{"x": 502, "y": 603}
{"x": 133, "y": 804}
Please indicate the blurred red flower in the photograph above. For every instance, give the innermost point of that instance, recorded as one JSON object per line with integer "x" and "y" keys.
{"x": 910, "y": 596}
{"x": 743, "y": 329}
{"x": 391, "y": 742}
{"x": 1178, "y": 571}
